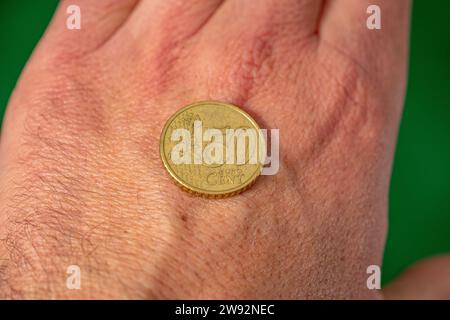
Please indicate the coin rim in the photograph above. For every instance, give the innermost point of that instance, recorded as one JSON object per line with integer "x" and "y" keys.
{"x": 193, "y": 189}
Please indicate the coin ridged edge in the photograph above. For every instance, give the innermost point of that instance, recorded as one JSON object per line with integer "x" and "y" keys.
{"x": 212, "y": 195}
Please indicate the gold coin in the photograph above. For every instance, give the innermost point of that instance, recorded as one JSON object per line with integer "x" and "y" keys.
{"x": 212, "y": 149}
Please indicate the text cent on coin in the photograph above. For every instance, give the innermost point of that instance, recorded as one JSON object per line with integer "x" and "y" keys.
{"x": 213, "y": 149}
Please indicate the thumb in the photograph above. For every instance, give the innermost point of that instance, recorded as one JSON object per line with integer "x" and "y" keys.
{"x": 428, "y": 279}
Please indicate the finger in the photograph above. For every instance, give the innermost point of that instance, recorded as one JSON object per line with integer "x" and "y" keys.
{"x": 297, "y": 18}
{"x": 384, "y": 51}
{"x": 83, "y": 26}
{"x": 429, "y": 279}
{"x": 169, "y": 20}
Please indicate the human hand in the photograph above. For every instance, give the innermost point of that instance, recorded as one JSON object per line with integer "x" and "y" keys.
{"x": 82, "y": 182}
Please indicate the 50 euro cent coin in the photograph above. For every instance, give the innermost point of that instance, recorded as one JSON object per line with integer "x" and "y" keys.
{"x": 212, "y": 149}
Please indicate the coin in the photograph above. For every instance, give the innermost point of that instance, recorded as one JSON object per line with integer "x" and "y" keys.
{"x": 212, "y": 149}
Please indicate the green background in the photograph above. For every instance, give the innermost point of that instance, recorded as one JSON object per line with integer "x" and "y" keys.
{"x": 419, "y": 212}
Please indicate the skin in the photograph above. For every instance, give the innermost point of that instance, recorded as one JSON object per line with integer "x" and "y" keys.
{"x": 81, "y": 181}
